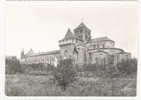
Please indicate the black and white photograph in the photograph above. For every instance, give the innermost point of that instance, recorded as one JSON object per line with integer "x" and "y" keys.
{"x": 71, "y": 49}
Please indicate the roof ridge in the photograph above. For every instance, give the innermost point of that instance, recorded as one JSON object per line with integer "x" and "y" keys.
{"x": 45, "y": 53}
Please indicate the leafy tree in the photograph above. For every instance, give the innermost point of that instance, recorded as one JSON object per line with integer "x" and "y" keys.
{"x": 65, "y": 73}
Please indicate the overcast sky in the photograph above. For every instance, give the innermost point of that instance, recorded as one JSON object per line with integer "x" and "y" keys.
{"x": 40, "y": 25}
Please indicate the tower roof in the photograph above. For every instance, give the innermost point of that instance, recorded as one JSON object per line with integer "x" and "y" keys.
{"x": 69, "y": 34}
{"x": 82, "y": 25}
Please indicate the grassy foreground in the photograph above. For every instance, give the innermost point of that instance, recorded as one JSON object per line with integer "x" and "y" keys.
{"x": 43, "y": 85}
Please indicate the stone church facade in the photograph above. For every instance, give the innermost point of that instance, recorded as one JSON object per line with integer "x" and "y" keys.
{"x": 82, "y": 48}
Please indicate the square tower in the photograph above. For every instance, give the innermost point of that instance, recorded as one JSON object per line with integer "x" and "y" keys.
{"x": 67, "y": 45}
{"x": 82, "y": 32}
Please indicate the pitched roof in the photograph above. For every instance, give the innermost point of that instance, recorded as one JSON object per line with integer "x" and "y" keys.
{"x": 45, "y": 53}
{"x": 82, "y": 25}
{"x": 50, "y": 52}
{"x": 101, "y": 39}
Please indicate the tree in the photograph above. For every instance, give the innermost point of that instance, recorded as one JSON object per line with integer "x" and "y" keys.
{"x": 65, "y": 73}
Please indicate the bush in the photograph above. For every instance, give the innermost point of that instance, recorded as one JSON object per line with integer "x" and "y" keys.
{"x": 123, "y": 68}
{"x": 97, "y": 70}
{"x": 128, "y": 67}
{"x": 39, "y": 66}
{"x": 90, "y": 67}
{"x": 13, "y": 66}
{"x": 112, "y": 71}
{"x": 65, "y": 73}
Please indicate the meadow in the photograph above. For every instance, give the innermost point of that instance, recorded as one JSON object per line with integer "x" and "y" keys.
{"x": 44, "y": 85}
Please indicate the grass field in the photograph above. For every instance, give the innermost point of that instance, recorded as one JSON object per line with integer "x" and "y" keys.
{"x": 43, "y": 85}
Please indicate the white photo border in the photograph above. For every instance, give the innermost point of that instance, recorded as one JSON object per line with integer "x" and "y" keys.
{"x": 2, "y": 58}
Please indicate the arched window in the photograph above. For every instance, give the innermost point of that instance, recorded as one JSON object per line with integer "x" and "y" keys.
{"x": 90, "y": 56}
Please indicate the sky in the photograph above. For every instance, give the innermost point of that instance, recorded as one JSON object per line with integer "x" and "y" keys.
{"x": 40, "y": 25}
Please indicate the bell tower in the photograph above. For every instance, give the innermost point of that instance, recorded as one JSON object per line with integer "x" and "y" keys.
{"x": 82, "y": 32}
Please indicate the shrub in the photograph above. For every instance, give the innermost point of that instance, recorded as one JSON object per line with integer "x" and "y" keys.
{"x": 38, "y": 66}
{"x": 128, "y": 67}
{"x": 112, "y": 72}
{"x": 90, "y": 67}
{"x": 65, "y": 73}
{"x": 13, "y": 66}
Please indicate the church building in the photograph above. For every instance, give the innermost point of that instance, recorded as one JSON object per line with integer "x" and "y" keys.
{"x": 82, "y": 48}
